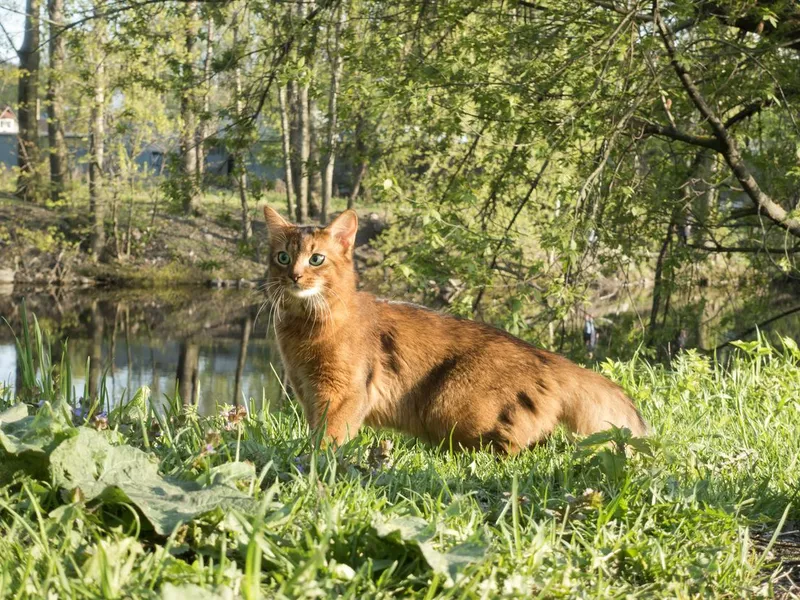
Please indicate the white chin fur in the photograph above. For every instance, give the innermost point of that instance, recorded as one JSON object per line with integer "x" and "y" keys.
{"x": 305, "y": 293}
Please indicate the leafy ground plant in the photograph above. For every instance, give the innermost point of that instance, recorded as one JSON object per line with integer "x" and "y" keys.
{"x": 156, "y": 501}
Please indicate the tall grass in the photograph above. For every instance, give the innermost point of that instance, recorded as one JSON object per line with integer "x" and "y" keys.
{"x": 696, "y": 510}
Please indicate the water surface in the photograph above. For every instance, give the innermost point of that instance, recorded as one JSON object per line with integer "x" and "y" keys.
{"x": 205, "y": 345}
{"x": 213, "y": 347}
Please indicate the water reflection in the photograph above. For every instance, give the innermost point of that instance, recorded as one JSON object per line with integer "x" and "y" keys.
{"x": 204, "y": 345}
{"x": 208, "y": 347}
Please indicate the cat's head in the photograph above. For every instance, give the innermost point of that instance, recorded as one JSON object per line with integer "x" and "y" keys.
{"x": 309, "y": 263}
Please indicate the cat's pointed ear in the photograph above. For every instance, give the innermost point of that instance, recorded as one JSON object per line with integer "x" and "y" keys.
{"x": 343, "y": 229}
{"x": 275, "y": 222}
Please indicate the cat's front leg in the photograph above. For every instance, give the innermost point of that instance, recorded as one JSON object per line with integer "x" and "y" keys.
{"x": 343, "y": 415}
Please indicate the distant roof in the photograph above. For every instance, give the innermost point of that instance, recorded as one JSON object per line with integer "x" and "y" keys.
{"x": 8, "y": 114}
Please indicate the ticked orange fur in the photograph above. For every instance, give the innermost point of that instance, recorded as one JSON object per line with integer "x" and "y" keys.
{"x": 353, "y": 358}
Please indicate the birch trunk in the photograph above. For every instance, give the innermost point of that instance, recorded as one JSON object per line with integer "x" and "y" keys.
{"x": 333, "y": 95}
{"x": 302, "y": 151}
{"x": 97, "y": 151}
{"x": 241, "y": 168}
{"x": 202, "y": 127}
{"x": 189, "y": 187}
{"x": 314, "y": 173}
{"x": 287, "y": 150}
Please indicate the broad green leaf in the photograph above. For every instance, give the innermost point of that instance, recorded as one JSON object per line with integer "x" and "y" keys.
{"x": 404, "y": 528}
{"x": 228, "y": 474}
{"x": 418, "y": 532}
{"x": 13, "y": 414}
{"x": 25, "y": 440}
{"x": 189, "y": 590}
{"x": 123, "y": 473}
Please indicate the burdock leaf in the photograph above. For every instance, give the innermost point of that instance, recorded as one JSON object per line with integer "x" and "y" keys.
{"x": 403, "y": 528}
{"x": 418, "y": 532}
{"x": 14, "y": 414}
{"x": 190, "y": 590}
{"x": 123, "y": 473}
{"x": 25, "y": 440}
{"x": 228, "y": 474}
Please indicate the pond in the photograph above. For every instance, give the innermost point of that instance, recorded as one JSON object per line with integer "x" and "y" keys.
{"x": 210, "y": 346}
{"x": 214, "y": 347}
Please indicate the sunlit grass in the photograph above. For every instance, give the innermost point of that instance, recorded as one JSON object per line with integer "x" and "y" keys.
{"x": 675, "y": 516}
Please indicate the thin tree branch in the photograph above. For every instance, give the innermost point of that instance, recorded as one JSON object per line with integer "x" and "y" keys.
{"x": 755, "y": 328}
{"x": 744, "y": 249}
{"x": 748, "y": 111}
{"x": 672, "y": 133}
{"x": 729, "y": 148}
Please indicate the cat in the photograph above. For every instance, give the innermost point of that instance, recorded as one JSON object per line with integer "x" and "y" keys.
{"x": 354, "y": 359}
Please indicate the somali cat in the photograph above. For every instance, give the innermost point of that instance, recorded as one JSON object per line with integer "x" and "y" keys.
{"x": 353, "y": 358}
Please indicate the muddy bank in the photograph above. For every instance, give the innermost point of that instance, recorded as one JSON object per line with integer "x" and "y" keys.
{"x": 45, "y": 248}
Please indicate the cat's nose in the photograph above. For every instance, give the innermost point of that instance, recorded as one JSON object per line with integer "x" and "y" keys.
{"x": 295, "y": 276}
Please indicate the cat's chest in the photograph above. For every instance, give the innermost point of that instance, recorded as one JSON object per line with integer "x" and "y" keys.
{"x": 308, "y": 358}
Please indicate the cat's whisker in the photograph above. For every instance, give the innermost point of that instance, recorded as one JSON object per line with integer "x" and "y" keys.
{"x": 326, "y": 312}
{"x": 329, "y": 313}
{"x": 270, "y": 300}
{"x": 269, "y": 287}
{"x": 271, "y": 319}
{"x": 258, "y": 312}
{"x": 317, "y": 309}
{"x": 277, "y": 314}
{"x": 338, "y": 297}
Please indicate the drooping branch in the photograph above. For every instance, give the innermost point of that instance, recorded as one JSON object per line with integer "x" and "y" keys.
{"x": 744, "y": 249}
{"x": 748, "y": 111}
{"x": 754, "y": 329}
{"x": 728, "y": 147}
{"x": 784, "y": 27}
{"x": 668, "y": 131}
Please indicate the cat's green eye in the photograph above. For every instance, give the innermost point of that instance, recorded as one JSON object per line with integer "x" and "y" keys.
{"x": 316, "y": 260}
{"x": 283, "y": 258}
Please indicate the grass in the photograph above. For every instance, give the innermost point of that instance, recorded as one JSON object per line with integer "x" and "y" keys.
{"x": 697, "y": 510}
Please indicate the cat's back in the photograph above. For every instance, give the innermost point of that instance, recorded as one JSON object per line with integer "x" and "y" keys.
{"x": 435, "y": 332}
{"x": 493, "y": 384}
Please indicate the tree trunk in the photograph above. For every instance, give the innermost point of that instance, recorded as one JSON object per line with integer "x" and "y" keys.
{"x": 55, "y": 101}
{"x": 658, "y": 282}
{"x": 363, "y": 164}
{"x": 360, "y": 174}
{"x": 301, "y": 133}
{"x": 186, "y": 378}
{"x": 96, "y": 152}
{"x": 333, "y": 96}
{"x": 189, "y": 187}
{"x": 287, "y": 150}
{"x": 302, "y": 151}
{"x": 241, "y": 168}
{"x": 28, "y": 101}
{"x": 247, "y": 325}
{"x": 314, "y": 173}
{"x": 202, "y": 127}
